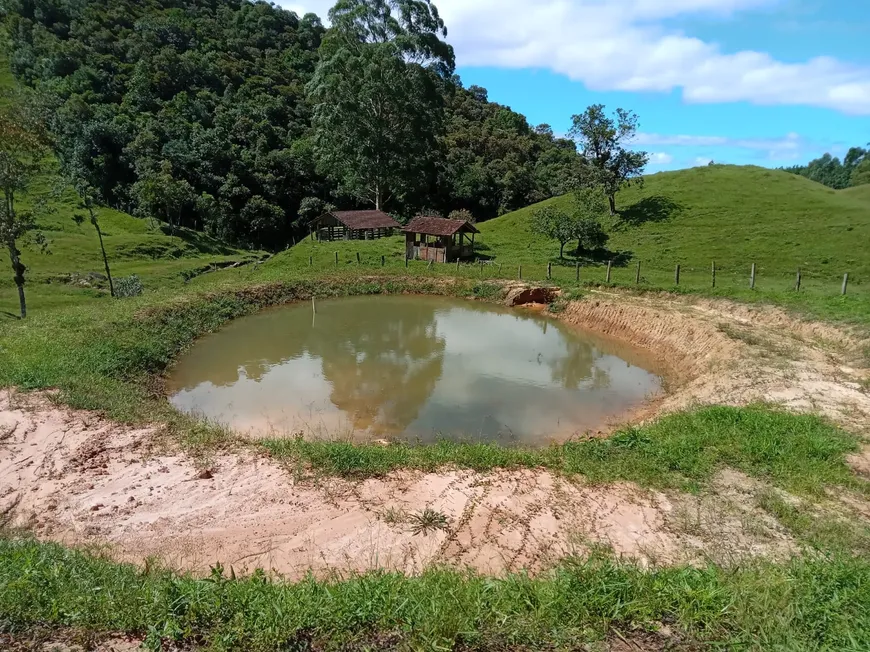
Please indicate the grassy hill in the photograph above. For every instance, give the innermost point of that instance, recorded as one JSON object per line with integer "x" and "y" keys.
{"x": 134, "y": 246}
{"x": 858, "y": 193}
{"x": 728, "y": 214}
{"x": 732, "y": 215}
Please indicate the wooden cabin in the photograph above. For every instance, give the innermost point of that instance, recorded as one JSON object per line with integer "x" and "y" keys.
{"x": 353, "y": 225}
{"x": 439, "y": 239}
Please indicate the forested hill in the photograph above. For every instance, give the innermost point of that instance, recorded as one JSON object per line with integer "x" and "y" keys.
{"x": 198, "y": 113}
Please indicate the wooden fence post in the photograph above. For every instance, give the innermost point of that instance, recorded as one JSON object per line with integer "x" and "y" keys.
{"x": 407, "y": 258}
{"x": 549, "y": 271}
{"x": 752, "y": 278}
{"x": 797, "y": 281}
{"x": 310, "y": 261}
{"x": 637, "y": 274}
{"x": 357, "y": 258}
{"x": 520, "y": 272}
{"x": 713, "y": 272}
{"x": 677, "y": 275}
{"x": 577, "y": 273}
{"x": 457, "y": 264}
{"x": 336, "y": 258}
{"x": 609, "y": 265}
{"x": 845, "y": 282}
{"x": 383, "y": 260}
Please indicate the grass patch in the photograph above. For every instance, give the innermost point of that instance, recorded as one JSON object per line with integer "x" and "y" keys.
{"x": 807, "y": 604}
{"x": 799, "y": 453}
{"x": 823, "y": 532}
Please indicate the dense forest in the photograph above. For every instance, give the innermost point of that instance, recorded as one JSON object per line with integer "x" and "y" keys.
{"x": 228, "y": 115}
{"x": 853, "y": 170}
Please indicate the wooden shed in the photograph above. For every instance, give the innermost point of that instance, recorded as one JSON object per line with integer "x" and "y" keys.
{"x": 353, "y": 225}
{"x": 439, "y": 239}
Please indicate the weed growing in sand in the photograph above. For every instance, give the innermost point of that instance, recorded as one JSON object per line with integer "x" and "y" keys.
{"x": 427, "y": 521}
{"x": 393, "y": 516}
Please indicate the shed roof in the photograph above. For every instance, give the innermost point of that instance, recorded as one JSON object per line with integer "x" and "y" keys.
{"x": 438, "y": 226}
{"x": 363, "y": 219}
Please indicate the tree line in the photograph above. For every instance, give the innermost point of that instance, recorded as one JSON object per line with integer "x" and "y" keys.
{"x": 242, "y": 120}
{"x": 853, "y": 170}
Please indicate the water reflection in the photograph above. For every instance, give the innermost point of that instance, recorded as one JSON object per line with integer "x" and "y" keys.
{"x": 418, "y": 367}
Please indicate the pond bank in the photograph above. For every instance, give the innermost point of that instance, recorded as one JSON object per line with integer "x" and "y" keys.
{"x": 76, "y": 477}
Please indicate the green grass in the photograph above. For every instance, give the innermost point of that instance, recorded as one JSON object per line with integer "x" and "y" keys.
{"x": 803, "y": 454}
{"x": 806, "y": 604}
{"x": 728, "y": 214}
{"x": 858, "y": 193}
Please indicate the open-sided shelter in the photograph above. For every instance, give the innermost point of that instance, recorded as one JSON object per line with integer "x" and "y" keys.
{"x": 353, "y": 225}
{"x": 439, "y": 239}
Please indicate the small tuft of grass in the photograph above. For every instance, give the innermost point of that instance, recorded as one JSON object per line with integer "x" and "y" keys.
{"x": 393, "y": 516}
{"x": 429, "y": 520}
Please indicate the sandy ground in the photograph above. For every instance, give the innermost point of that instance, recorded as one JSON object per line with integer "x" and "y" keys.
{"x": 73, "y": 477}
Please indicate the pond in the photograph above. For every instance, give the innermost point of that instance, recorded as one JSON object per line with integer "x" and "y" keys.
{"x": 418, "y": 368}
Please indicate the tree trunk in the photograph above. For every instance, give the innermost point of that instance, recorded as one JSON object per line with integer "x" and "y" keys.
{"x": 612, "y": 200}
{"x": 18, "y": 269}
{"x": 579, "y": 247}
{"x": 105, "y": 258}
{"x": 562, "y": 251}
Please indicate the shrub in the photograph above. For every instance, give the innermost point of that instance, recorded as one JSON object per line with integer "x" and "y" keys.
{"x": 128, "y": 286}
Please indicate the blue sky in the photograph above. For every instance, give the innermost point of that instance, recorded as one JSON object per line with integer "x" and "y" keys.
{"x": 766, "y": 82}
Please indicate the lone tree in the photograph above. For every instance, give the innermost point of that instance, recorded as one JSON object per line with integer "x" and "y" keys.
{"x": 88, "y": 202}
{"x": 590, "y": 203}
{"x": 22, "y": 157}
{"x": 377, "y": 95}
{"x": 557, "y": 224}
{"x": 604, "y": 141}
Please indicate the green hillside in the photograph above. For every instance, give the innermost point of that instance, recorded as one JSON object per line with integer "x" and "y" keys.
{"x": 134, "y": 246}
{"x": 860, "y": 193}
{"x": 728, "y": 214}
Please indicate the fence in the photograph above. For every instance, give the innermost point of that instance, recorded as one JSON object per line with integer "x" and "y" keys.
{"x": 718, "y": 277}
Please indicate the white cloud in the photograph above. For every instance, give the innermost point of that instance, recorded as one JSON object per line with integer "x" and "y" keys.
{"x": 701, "y": 161}
{"x": 660, "y": 158}
{"x": 787, "y": 147}
{"x": 622, "y": 45}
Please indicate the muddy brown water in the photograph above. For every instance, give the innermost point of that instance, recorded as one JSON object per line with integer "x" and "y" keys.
{"x": 417, "y": 368}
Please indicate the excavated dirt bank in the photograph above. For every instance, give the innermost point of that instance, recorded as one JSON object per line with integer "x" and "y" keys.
{"x": 720, "y": 352}
{"x": 73, "y": 477}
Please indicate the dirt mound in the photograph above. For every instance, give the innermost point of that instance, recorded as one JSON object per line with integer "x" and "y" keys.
{"x": 729, "y": 354}
{"x": 525, "y": 295}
